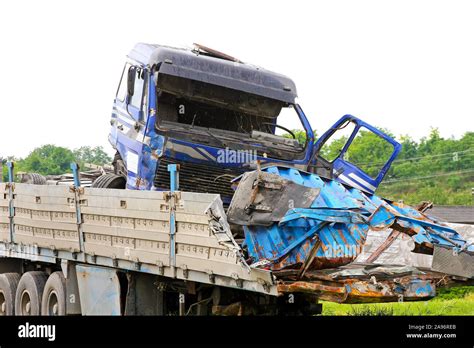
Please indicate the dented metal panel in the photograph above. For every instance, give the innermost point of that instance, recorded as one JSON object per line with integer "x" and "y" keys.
{"x": 196, "y": 246}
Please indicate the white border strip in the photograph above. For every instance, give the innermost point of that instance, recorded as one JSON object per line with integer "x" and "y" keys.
{"x": 362, "y": 181}
{"x": 351, "y": 183}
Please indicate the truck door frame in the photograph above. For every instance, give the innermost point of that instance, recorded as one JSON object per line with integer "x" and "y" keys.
{"x": 356, "y": 177}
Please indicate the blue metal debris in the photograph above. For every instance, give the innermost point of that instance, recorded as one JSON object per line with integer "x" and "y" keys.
{"x": 336, "y": 226}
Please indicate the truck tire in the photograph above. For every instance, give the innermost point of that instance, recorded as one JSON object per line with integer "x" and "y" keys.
{"x": 8, "y": 286}
{"x": 33, "y": 178}
{"x": 110, "y": 181}
{"x": 54, "y": 295}
{"x": 29, "y": 293}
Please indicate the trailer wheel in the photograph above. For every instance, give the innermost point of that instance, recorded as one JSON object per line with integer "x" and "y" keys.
{"x": 110, "y": 181}
{"x": 29, "y": 293}
{"x": 54, "y": 295}
{"x": 8, "y": 286}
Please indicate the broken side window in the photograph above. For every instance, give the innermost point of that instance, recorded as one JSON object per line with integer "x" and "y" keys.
{"x": 136, "y": 100}
{"x": 334, "y": 146}
{"x": 369, "y": 152}
{"x": 122, "y": 88}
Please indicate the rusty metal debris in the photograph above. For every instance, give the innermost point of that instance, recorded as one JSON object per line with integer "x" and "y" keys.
{"x": 337, "y": 219}
{"x": 365, "y": 283}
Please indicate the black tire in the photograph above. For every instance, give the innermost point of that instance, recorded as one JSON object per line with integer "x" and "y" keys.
{"x": 8, "y": 286}
{"x": 29, "y": 293}
{"x": 110, "y": 181}
{"x": 54, "y": 295}
{"x": 33, "y": 178}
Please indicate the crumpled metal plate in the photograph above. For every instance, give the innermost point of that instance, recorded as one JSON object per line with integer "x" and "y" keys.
{"x": 264, "y": 198}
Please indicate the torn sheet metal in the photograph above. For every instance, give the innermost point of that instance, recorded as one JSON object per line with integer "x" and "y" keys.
{"x": 220, "y": 228}
{"x": 332, "y": 231}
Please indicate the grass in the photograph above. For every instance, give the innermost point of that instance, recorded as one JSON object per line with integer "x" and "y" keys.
{"x": 454, "y": 301}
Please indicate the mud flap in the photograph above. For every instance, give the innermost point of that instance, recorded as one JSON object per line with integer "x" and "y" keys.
{"x": 449, "y": 261}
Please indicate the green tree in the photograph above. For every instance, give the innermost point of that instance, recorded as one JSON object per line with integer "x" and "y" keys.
{"x": 369, "y": 152}
{"x": 93, "y": 155}
{"x": 300, "y": 135}
{"x": 46, "y": 160}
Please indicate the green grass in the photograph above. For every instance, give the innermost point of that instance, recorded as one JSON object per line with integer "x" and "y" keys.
{"x": 454, "y": 190}
{"x": 454, "y": 301}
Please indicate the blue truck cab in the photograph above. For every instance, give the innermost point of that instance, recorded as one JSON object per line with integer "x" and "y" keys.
{"x": 216, "y": 116}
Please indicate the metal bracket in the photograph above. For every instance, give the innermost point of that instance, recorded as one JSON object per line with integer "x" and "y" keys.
{"x": 239, "y": 282}
{"x": 212, "y": 277}
{"x": 161, "y": 269}
{"x": 160, "y": 286}
{"x": 77, "y": 192}
{"x": 75, "y": 173}
{"x": 11, "y": 211}
{"x": 174, "y": 186}
{"x": 257, "y": 207}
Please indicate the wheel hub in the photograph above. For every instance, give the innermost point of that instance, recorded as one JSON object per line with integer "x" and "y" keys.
{"x": 25, "y": 303}
{"x": 53, "y": 305}
{"x": 3, "y": 304}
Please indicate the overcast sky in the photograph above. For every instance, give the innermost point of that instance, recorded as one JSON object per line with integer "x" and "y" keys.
{"x": 401, "y": 65}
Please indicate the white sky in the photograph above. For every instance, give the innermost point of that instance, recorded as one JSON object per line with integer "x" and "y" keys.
{"x": 402, "y": 65}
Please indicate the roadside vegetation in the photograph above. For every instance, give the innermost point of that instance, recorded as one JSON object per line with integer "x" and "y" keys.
{"x": 52, "y": 159}
{"x": 451, "y": 301}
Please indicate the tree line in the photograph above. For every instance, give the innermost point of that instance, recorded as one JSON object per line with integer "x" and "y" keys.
{"x": 51, "y": 159}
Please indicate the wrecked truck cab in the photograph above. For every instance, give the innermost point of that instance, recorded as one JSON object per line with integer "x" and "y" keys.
{"x": 216, "y": 117}
{"x": 214, "y": 114}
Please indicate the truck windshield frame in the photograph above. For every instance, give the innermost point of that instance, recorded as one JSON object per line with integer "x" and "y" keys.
{"x": 216, "y": 123}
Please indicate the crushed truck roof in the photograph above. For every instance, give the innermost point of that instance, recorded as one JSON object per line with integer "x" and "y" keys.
{"x": 200, "y": 66}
